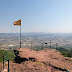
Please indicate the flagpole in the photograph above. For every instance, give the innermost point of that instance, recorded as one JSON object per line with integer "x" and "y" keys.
{"x": 20, "y": 36}
{"x": 18, "y": 23}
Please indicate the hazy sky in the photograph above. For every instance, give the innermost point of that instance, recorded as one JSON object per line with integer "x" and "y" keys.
{"x": 37, "y": 15}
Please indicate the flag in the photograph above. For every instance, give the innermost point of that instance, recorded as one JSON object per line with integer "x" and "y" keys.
{"x": 17, "y": 22}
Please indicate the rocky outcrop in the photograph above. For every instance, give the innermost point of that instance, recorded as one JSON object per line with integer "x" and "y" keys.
{"x": 49, "y": 57}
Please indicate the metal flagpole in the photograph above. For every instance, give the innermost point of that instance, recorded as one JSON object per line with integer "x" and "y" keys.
{"x": 3, "y": 62}
{"x": 56, "y": 46}
{"x": 6, "y": 56}
{"x": 20, "y": 36}
{"x": 50, "y": 44}
{"x": 8, "y": 65}
{"x": 31, "y": 44}
{"x": 18, "y": 23}
{"x": 46, "y": 45}
{"x": 42, "y": 45}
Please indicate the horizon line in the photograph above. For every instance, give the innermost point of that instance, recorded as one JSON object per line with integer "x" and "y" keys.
{"x": 38, "y": 32}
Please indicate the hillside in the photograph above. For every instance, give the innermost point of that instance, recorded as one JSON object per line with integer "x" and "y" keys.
{"x": 48, "y": 60}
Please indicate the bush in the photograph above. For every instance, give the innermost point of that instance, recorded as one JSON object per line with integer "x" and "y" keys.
{"x": 10, "y": 55}
{"x": 65, "y": 52}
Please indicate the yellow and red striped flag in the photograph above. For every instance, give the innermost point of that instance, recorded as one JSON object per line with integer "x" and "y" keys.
{"x": 17, "y": 22}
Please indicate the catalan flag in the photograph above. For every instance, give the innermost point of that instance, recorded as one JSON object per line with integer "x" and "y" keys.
{"x": 17, "y": 22}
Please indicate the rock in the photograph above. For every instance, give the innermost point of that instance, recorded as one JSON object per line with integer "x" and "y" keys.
{"x": 49, "y": 57}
